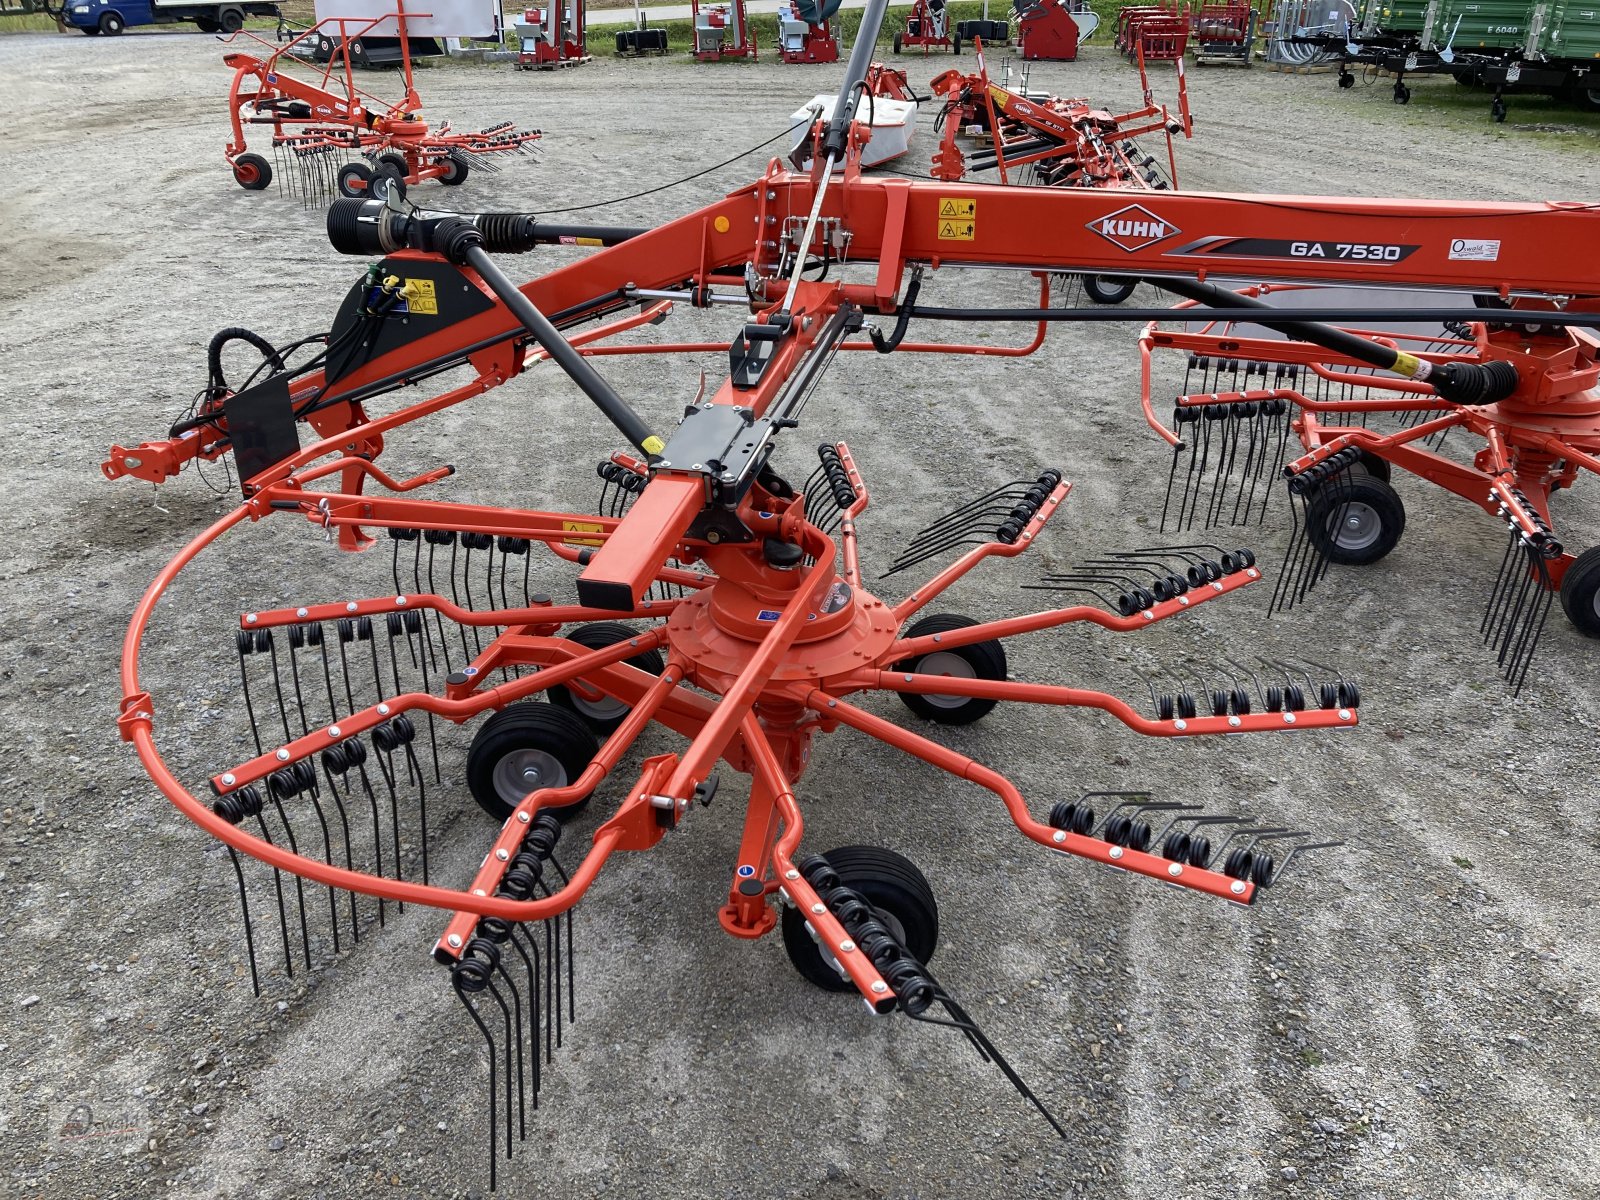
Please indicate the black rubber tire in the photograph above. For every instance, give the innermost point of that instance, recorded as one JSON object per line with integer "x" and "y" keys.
{"x": 353, "y": 180}
{"x": 894, "y": 43}
{"x": 1580, "y": 592}
{"x": 987, "y": 660}
{"x": 393, "y": 159}
{"x": 558, "y": 734}
{"x": 91, "y": 31}
{"x": 455, "y": 172}
{"x": 597, "y": 637}
{"x": 1586, "y": 98}
{"x": 1370, "y": 464}
{"x": 1108, "y": 289}
{"x": 387, "y": 178}
{"x": 1381, "y": 520}
{"x": 252, "y": 172}
{"x": 892, "y": 884}
{"x": 111, "y": 24}
{"x": 231, "y": 20}
{"x": 955, "y": 44}
{"x": 207, "y": 24}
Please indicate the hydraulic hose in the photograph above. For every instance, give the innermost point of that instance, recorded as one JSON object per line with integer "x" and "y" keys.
{"x": 1457, "y": 382}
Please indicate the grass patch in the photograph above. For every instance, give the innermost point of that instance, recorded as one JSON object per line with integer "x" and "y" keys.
{"x": 1544, "y": 119}
{"x": 26, "y": 23}
{"x": 1464, "y": 863}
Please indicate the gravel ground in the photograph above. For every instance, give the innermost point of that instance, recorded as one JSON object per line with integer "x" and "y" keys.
{"x": 1413, "y": 1014}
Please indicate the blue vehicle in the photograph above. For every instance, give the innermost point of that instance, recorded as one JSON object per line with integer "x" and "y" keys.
{"x": 111, "y": 17}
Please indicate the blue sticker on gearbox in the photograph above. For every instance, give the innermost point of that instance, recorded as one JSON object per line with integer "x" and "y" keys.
{"x": 768, "y": 614}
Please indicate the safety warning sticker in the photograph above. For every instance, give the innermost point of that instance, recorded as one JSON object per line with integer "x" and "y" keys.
{"x": 582, "y": 527}
{"x": 958, "y": 219}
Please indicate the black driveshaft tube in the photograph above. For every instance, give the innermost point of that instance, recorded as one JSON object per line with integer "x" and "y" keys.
{"x": 463, "y": 243}
{"x": 1458, "y": 382}
{"x": 855, "y": 75}
{"x": 366, "y": 227}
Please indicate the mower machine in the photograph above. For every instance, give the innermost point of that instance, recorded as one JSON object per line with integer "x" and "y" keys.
{"x": 722, "y": 31}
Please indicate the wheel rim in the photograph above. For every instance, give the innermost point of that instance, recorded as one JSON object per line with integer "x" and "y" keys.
{"x": 524, "y": 771}
{"x": 607, "y": 708}
{"x": 1355, "y": 526}
{"x": 1594, "y": 603}
{"x": 944, "y": 662}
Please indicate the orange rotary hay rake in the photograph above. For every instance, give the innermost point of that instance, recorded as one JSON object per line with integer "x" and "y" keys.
{"x": 708, "y": 597}
{"x": 331, "y": 136}
{"x": 1253, "y": 409}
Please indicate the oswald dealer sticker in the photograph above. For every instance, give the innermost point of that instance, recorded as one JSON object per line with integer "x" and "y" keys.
{"x": 1474, "y": 250}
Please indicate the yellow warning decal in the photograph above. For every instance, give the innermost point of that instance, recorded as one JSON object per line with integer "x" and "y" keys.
{"x": 958, "y": 219}
{"x": 1410, "y": 366}
{"x": 582, "y": 527}
{"x": 653, "y": 445}
{"x": 421, "y": 298}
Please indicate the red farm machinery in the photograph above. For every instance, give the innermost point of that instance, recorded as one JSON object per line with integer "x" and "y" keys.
{"x": 718, "y": 594}
{"x": 553, "y": 36}
{"x": 928, "y": 28}
{"x": 330, "y": 136}
{"x": 805, "y": 31}
{"x": 722, "y": 31}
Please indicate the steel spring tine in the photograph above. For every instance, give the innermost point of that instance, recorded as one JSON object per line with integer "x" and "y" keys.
{"x": 249, "y": 933}
{"x": 1014, "y": 490}
{"x": 472, "y": 1010}
{"x": 973, "y": 521}
{"x": 516, "y": 1008}
{"x": 1048, "y": 587}
{"x": 901, "y": 564}
{"x": 1177, "y": 809}
{"x": 533, "y": 966}
{"x": 1298, "y": 848}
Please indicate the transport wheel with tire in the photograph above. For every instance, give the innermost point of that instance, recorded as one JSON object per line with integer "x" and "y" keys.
{"x": 894, "y": 886}
{"x": 524, "y": 747}
{"x": 231, "y": 20}
{"x": 252, "y": 172}
{"x": 982, "y": 660}
{"x": 1580, "y": 592}
{"x": 1356, "y": 521}
{"x": 355, "y": 179}
{"x": 606, "y": 713}
{"x": 111, "y": 24}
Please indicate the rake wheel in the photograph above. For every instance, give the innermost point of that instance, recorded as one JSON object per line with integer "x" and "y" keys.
{"x": 355, "y": 179}
{"x": 524, "y": 747}
{"x": 1580, "y": 592}
{"x": 252, "y": 172}
{"x": 1357, "y": 522}
{"x": 893, "y": 885}
{"x": 607, "y": 713}
{"x": 1108, "y": 289}
{"x": 983, "y": 660}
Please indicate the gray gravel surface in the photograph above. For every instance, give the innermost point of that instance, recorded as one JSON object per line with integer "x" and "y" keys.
{"x": 1413, "y": 1014}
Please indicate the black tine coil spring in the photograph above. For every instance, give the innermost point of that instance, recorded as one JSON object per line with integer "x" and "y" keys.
{"x": 238, "y": 804}
{"x": 246, "y": 640}
{"x": 263, "y": 641}
{"x": 400, "y": 534}
{"x": 1187, "y": 710}
{"x": 1239, "y": 863}
{"x": 283, "y": 784}
{"x": 914, "y": 991}
{"x": 1219, "y": 703}
{"x": 512, "y": 545}
{"x": 1123, "y": 830}
{"x": 1328, "y": 694}
{"x": 475, "y": 968}
{"x": 439, "y": 537}
{"x": 819, "y": 873}
{"x": 495, "y": 929}
{"x": 297, "y": 636}
{"x": 1072, "y": 816}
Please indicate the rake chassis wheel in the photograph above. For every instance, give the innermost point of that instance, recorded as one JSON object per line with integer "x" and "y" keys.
{"x": 889, "y": 882}
{"x": 525, "y": 747}
{"x": 1355, "y": 522}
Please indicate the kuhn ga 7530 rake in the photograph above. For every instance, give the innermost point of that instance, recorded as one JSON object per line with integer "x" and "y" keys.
{"x": 1531, "y": 424}
{"x": 330, "y": 135}
{"x": 751, "y": 624}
